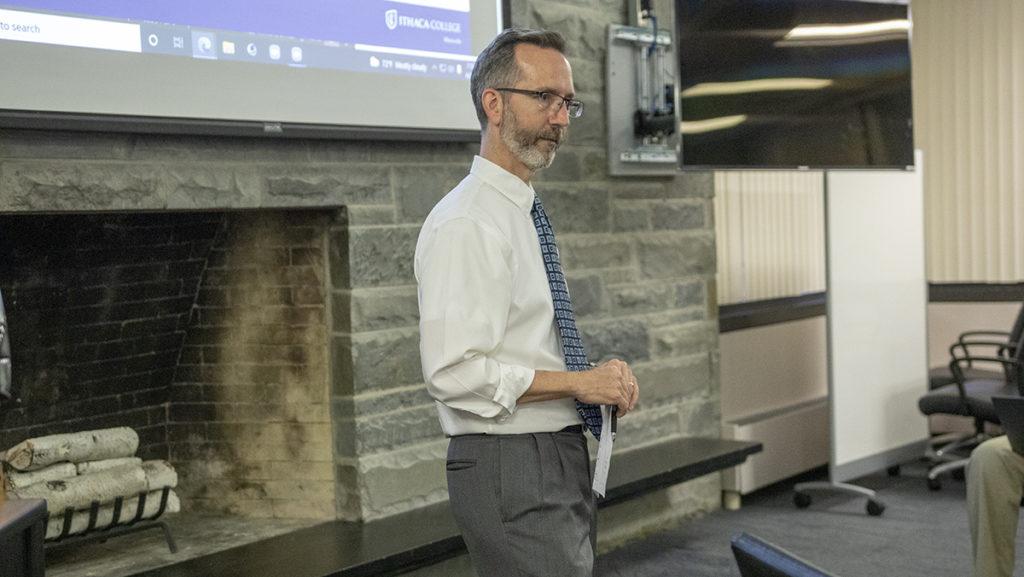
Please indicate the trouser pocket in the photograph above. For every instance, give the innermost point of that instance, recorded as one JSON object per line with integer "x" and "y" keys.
{"x": 459, "y": 464}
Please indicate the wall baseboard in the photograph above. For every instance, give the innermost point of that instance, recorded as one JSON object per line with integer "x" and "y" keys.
{"x": 752, "y": 314}
{"x": 975, "y": 292}
{"x": 738, "y": 316}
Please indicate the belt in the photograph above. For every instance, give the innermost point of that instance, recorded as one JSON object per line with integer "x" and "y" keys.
{"x": 574, "y": 429}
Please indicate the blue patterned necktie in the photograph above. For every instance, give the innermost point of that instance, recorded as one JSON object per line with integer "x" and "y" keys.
{"x": 572, "y": 345}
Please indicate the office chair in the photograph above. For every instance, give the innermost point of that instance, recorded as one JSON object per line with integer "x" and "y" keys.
{"x": 972, "y": 397}
{"x": 756, "y": 557}
{"x": 942, "y": 376}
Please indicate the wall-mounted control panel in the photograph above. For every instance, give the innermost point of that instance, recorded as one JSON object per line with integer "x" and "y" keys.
{"x": 643, "y": 127}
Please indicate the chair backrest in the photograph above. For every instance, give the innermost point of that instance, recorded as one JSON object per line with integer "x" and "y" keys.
{"x": 1016, "y": 352}
{"x": 759, "y": 558}
{"x": 1018, "y": 326}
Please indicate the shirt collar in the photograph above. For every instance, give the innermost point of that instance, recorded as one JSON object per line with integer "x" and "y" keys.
{"x": 505, "y": 182}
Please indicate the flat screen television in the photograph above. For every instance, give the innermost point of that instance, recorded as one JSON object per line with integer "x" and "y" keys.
{"x": 273, "y": 67}
{"x": 794, "y": 83}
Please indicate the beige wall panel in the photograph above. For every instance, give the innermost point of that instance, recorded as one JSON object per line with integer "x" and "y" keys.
{"x": 772, "y": 367}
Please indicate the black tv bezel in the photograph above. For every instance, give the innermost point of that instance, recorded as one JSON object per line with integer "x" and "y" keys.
{"x": 137, "y": 124}
{"x": 683, "y": 167}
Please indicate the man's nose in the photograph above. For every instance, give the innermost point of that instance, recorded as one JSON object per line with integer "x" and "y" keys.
{"x": 561, "y": 115}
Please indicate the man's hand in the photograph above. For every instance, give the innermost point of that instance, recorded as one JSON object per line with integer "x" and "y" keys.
{"x": 610, "y": 383}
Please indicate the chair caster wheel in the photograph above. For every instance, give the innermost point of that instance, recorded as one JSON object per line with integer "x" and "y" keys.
{"x": 934, "y": 484}
{"x": 893, "y": 471}
{"x": 801, "y": 500}
{"x": 875, "y": 508}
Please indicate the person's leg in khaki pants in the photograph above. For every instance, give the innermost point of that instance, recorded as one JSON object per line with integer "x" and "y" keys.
{"x": 995, "y": 484}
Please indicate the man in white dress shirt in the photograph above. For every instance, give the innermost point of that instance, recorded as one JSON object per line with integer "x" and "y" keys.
{"x": 518, "y": 468}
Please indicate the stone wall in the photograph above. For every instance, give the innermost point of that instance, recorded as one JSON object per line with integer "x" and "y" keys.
{"x": 639, "y": 257}
{"x": 638, "y": 253}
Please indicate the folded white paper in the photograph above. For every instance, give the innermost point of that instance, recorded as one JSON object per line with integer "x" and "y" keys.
{"x": 604, "y": 452}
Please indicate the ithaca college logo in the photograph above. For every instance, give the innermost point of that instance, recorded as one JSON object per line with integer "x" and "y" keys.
{"x": 392, "y": 20}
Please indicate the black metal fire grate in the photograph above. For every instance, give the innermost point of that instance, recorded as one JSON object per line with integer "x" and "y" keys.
{"x": 115, "y": 528}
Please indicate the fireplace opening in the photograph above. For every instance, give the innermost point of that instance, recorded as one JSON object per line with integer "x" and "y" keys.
{"x": 205, "y": 332}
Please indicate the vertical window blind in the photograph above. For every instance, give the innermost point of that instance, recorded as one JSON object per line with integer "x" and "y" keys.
{"x": 968, "y": 74}
{"x": 769, "y": 229}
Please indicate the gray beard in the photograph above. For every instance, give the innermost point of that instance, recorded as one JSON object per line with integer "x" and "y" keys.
{"x": 524, "y": 145}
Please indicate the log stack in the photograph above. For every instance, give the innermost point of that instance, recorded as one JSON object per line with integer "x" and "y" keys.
{"x": 72, "y": 471}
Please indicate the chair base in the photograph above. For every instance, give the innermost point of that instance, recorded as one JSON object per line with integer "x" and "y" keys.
{"x": 952, "y": 444}
{"x": 951, "y": 457}
{"x": 957, "y": 468}
{"x": 802, "y": 500}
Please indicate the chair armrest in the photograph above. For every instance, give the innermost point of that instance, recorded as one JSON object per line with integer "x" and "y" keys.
{"x": 957, "y": 364}
{"x": 1001, "y": 348}
{"x": 1007, "y": 346}
{"x": 964, "y": 335}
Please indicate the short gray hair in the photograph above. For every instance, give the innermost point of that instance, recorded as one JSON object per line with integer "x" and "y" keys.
{"x": 497, "y": 67}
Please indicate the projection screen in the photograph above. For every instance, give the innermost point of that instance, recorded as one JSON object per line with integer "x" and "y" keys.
{"x": 277, "y": 66}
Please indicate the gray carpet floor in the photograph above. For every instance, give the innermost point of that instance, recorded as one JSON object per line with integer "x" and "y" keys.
{"x": 921, "y": 533}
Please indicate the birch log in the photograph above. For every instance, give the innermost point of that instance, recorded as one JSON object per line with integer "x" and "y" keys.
{"x": 105, "y": 515}
{"x": 159, "y": 474}
{"x": 75, "y": 447}
{"x": 19, "y": 480}
{"x": 105, "y": 464}
{"x": 79, "y": 492}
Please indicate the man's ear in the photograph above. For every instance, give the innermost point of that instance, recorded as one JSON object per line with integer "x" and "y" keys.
{"x": 493, "y": 105}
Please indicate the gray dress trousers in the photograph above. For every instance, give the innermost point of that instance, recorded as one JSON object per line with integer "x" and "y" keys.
{"x": 524, "y": 504}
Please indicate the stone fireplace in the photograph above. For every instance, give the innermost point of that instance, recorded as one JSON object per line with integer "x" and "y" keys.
{"x": 248, "y": 305}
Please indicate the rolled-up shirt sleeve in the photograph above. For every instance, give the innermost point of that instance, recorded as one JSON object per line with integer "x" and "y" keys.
{"x": 465, "y": 273}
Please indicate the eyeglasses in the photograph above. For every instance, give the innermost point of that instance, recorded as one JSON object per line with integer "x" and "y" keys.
{"x": 550, "y": 102}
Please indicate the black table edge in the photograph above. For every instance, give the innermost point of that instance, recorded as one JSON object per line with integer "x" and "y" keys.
{"x": 435, "y": 552}
{"x": 655, "y": 482}
{"x": 452, "y": 545}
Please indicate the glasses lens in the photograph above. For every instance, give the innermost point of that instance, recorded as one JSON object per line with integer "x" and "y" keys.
{"x": 575, "y": 108}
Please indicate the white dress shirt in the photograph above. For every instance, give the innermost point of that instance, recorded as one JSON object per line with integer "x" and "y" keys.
{"x": 486, "y": 315}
